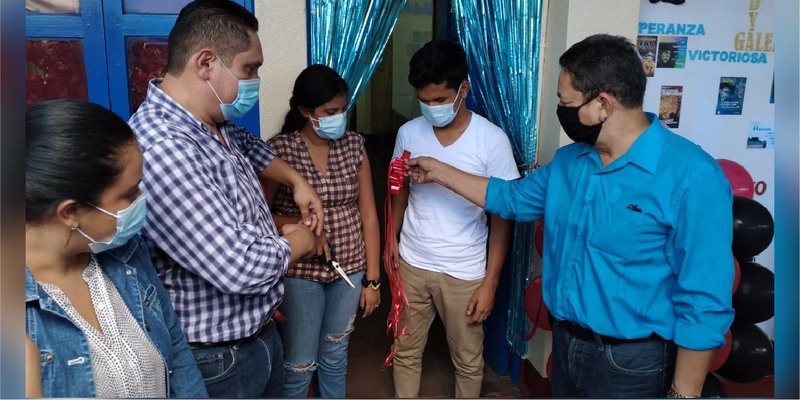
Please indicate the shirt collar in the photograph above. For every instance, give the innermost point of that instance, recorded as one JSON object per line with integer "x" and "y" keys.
{"x": 121, "y": 254}
{"x": 125, "y": 252}
{"x": 171, "y": 110}
{"x": 644, "y": 151}
{"x": 31, "y": 289}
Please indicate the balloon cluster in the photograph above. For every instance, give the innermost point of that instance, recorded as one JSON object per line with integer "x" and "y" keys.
{"x": 748, "y": 353}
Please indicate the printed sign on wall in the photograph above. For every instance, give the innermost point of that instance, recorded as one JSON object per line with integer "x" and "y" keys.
{"x": 711, "y": 80}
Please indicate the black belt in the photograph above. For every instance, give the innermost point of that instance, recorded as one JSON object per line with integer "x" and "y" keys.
{"x": 589, "y": 335}
{"x": 234, "y": 342}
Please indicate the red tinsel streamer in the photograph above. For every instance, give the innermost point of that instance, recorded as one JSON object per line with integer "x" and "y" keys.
{"x": 399, "y": 299}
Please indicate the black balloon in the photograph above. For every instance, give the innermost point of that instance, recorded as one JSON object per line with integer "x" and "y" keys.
{"x": 712, "y": 388}
{"x": 753, "y": 228}
{"x": 752, "y": 355}
{"x": 755, "y": 300}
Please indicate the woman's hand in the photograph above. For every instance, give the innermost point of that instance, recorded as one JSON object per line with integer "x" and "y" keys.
{"x": 370, "y": 300}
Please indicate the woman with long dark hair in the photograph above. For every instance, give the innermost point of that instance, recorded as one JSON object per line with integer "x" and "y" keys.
{"x": 320, "y": 306}
{"x": 96, "y": 312}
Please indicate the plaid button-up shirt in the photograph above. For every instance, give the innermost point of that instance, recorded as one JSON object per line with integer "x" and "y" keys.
{"x": 338, "y": 189}
{"x": 213, "y": 240}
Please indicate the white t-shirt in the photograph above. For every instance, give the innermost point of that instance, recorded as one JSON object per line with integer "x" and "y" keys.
{"x": 442, "y": 231}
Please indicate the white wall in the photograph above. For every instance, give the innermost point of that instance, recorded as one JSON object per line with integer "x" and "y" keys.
{"x": 282, "y": 31}
{"x": 566, "y": 22}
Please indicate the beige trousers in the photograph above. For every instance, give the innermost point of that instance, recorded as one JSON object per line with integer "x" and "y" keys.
{"x": 428, "y": 293}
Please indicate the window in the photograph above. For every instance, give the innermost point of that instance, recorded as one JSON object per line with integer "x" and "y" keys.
{"x": 103, "y": 51}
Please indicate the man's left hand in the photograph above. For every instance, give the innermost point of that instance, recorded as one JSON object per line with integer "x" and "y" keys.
{"x": 481, "y": 303}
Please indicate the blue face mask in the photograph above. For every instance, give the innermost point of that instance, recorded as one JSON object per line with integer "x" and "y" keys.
{"x": 331, "y": 128}
{"x": 246, "y": 97}
{"x": 129, "y": 223}
{"x": 441, "y": 115}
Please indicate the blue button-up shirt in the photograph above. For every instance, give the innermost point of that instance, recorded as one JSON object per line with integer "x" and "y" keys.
{"x": 637, "y": 247}
{"x": 216, "y": 247}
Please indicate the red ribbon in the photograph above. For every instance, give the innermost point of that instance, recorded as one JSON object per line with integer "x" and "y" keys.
{"x": 396, "y": 287}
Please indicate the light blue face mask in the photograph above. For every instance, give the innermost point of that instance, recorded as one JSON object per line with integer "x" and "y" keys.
{"x": 441, "y": 115}
{"x": 331, "y": 128}
{"x": 246, "y": 97}
{"x": 129, "y": 223}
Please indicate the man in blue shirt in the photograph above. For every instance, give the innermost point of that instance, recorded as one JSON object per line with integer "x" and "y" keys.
{"x": 637, "y": 264}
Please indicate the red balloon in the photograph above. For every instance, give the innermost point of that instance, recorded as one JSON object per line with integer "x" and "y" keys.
{"x": 737, "y": 276}
{"x": 538, "y": 237}
{"x": 740, "y": 180}
{"x": 535, "y": 307}
{"x": 722, "y": 353}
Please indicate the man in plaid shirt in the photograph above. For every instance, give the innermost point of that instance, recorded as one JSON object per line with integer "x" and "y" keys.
{"x": 214, "y": 243}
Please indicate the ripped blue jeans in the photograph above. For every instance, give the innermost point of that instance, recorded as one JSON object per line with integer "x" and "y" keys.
{"x": 316, "y": 334}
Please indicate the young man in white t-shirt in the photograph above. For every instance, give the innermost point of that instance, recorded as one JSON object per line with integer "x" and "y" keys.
{"x": 444, "y": 262}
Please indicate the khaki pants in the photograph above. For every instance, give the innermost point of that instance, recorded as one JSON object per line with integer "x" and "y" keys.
{"x": 430, "y": 292}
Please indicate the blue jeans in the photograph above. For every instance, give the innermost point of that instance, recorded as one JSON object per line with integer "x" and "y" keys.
{"x": 248, "y": 368}
{"x": 316, "y": 333}
{"x": 596, "y": 370}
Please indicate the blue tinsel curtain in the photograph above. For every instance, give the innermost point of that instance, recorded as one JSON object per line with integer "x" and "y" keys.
{"x": 501, "y": 38}
{"x": 350, "y": 35}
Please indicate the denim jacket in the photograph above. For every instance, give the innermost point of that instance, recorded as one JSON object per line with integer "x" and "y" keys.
{"x": 64, "y": 350}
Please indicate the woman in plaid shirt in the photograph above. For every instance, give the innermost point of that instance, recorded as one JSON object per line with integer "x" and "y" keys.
{"x": 319, "y": 305}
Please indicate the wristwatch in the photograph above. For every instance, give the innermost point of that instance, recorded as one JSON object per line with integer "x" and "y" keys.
{"x": 374, "y": 285}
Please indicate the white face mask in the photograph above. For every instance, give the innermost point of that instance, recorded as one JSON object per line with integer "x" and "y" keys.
{"x": 129, "y": 222}
{"x": 441, "y": 115}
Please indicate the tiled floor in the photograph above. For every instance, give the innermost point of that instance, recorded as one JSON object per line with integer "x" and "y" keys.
{"x": 369, "y": 347}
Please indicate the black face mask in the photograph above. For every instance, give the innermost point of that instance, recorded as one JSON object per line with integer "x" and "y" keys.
{"x": 577, "y": 131}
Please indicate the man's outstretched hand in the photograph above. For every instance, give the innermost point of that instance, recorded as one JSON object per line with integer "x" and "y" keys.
{"x": 423, "y": 169}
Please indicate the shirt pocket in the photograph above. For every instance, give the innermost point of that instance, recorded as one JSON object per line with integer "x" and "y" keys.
{"x": 150, "y": 299}
{"x": 154, "y": 325}
{"x": 618, "y": 231}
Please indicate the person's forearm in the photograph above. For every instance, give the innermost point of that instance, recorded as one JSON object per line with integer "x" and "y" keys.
{"x": 281, "y": 220}
{"x": 500, "y": 235}
{"x": 471, "y": 187}
{"x": 299, "y": 245}
{"x": 691, "y": 368}
{"x": 372, "y": 246}
{"x": 280, "y": 171}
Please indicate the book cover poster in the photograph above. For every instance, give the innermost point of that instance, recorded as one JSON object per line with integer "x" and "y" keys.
{"x": 647, "y": 53}
{"x": 731, "y": 95}
{"x": 671, "y": 52}
{"x": 761, "y": 135}
{"x": 669, "y": 110}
